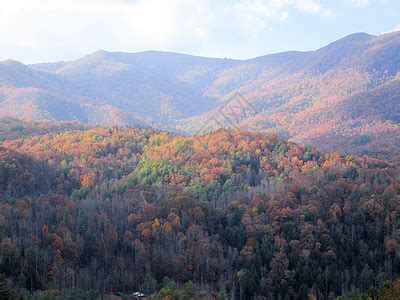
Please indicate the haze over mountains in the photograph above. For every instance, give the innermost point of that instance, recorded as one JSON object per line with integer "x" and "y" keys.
{"x": 345, "y": 96}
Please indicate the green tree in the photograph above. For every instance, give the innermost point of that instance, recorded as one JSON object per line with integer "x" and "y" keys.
{"x": 150, "y": 285}
{"x": 188, "y": 291}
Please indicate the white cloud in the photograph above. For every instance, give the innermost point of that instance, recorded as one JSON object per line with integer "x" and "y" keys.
{"x": 358, "y": 3}
{"x": 49, "y": 30}
{"x": 309, "y": 6}
{"x": 260, "y": 13}
{"x": 56, "y": 25}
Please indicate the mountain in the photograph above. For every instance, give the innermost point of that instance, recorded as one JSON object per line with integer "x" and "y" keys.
{"x": 333, "y": 97}
{"x": 150, "y": 86}
{"x": 343, "y": 96}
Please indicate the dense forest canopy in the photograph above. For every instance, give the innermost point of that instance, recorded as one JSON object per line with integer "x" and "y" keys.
{"x": 108, "y": 210}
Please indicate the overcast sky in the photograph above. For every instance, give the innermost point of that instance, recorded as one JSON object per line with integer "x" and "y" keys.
{"x": 53, "y": 30}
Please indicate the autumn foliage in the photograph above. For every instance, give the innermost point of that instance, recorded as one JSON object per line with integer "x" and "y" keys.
{"x": 238, "y": 213}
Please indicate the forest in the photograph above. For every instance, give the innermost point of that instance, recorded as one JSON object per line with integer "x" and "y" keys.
{"x": 93, "y": 212}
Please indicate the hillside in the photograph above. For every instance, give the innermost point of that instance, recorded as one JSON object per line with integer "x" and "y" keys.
{"x": 333, "y": 97}
{"x": 11, "y": 128}
{"x": 315, "y": 96}
{"x": 116, "y": 210}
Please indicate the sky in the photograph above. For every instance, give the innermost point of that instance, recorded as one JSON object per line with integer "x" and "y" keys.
{"x": 33, "y": 31}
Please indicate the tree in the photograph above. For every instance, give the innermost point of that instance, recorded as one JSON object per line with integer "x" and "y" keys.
{"x": 150, "y": 285}
{"x": 5, "y": 291}
{"x": 188, "y": 291}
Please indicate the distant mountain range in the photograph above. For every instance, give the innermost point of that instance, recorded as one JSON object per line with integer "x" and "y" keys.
{"x": 345, "y": 96}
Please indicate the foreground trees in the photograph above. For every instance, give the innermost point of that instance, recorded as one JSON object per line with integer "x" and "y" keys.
{"x": 122, "y": 210}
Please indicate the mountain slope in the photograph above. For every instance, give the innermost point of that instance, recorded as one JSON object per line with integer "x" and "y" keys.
{"x": 158, "y": 85}
{"x": 306, "y": 96}
{"x": 324, "y": 97}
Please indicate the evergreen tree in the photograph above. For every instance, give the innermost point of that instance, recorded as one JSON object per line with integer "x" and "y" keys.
{"x": 150, "y": 285}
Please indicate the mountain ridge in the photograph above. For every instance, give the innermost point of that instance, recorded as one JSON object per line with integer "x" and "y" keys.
{"x": 297, "y": 94}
